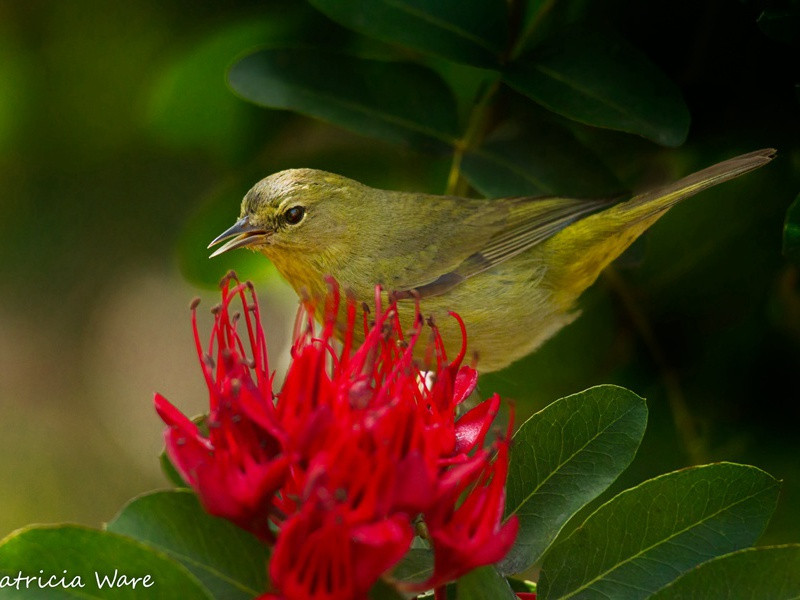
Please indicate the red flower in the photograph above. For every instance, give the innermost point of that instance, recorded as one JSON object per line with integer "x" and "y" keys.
{"x": 238, "y": 466}
{"x": 320, "y": 555}
{"x": 357, "y": 446}
{"x": 470, "y": 534}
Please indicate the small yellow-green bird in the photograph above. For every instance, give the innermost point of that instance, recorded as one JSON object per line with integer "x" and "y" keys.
{"x": 513, "y": 268}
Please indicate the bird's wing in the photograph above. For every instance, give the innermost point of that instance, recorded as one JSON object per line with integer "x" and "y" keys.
{"x": 527, "y": 222}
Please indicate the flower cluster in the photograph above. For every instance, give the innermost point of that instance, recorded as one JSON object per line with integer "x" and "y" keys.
{"x": 356, "y": 454}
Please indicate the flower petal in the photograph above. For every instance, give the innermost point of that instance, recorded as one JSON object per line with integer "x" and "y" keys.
{"x": 378, "y": 547}
{"x": 466, "y": 380}
{"x": 472, "y": 427}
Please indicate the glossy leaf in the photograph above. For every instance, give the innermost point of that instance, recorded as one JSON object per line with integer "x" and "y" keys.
{"x": 563, "y": 457}
{"x": 645, "y": 537}
{"x": 169, "y": 470}
{"x": 99, "y": 559}
{"x": 752, "y": 574}
{"x": 522, "y": 585}
{"x": 791, "y": 232}
{"x": 541, "y": 19}
{"x": 398, "y": 102}
{"x": 484, "y": 583}
{"x": 599, "y": 79}
{"x": 782, "y": 23}
{"x": 229, "y": 561}
{"x": 468, "y": 84}
{"x": 540, "y": 160}
{"x": 469, "y": 32}
{"x": 384, "y": 591}
{"x": 190, "y": 106}
{"x": 416, "y": 566}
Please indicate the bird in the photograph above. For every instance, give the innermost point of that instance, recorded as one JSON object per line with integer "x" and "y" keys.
{"x": 511, "y": 268}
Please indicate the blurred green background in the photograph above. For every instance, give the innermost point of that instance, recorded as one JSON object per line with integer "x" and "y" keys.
{"x": 123, "y": 152}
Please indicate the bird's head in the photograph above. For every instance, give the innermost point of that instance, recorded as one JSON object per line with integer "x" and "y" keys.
{"x": 297, "y": 210}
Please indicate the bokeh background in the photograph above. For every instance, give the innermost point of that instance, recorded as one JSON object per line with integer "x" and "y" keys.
{"x": 123, "y": 152}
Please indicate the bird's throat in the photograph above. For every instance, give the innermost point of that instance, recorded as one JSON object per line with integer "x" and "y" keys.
{"x": 303, "y": 276}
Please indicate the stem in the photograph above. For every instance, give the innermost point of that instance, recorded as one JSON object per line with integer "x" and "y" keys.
{"x": 693, "y": 443}
{"x": 544, "y": 9}
{"x": 472, "y": 137}
{"x": 476, "y": 124}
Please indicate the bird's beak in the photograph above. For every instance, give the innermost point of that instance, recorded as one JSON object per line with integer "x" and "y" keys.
{"x": 240, "y": 235}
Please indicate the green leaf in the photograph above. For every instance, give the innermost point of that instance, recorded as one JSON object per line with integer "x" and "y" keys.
{"x": 771, "y": 572}
{"x": 472, "y": 32}
{"x": 791, "y": 232}
{"x": 229, "y": 561}
{"x": 543, "y": 159}
{"x": 170, "y": 471}
{"x": 71, "y": 551}
{"x": 781, "y": 24}
{"x": 416, "y": 566}
{"x": 468, "y": 84}
{"x": 645, "y": 537}
{"x": 599, "y": 79}
{"x": 190, "y": 106}
{"x": 563, "y": 457}
{"x": 484, "y": 583}
{"x": 384, "y": 591}
{"x": 522, "y": 585}
{"x": 541, "y": 19}
{"x": 398, "y": 102}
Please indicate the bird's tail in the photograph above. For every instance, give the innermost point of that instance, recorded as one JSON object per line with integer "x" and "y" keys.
{"x": 659, "y": 200}
{"x": 580, "y": 252}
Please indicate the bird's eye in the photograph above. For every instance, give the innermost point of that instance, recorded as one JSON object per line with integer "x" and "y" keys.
{"x": 294, "y": 215}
